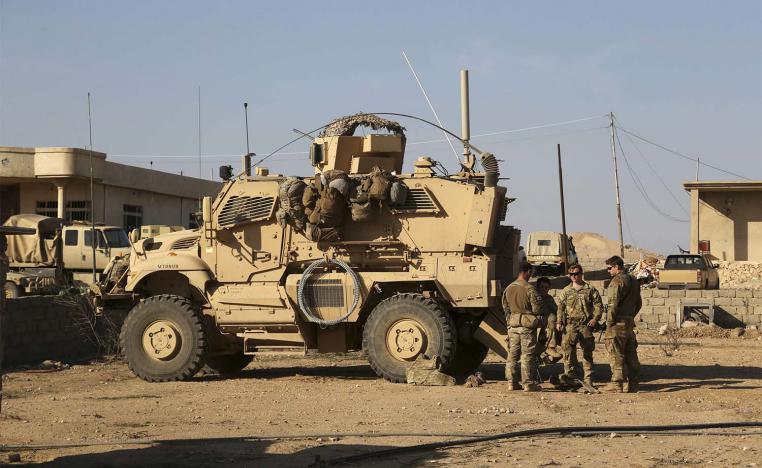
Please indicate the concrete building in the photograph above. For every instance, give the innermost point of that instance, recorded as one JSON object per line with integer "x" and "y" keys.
{"x": 726, "y": 218}
{"x": 56, "y": 182}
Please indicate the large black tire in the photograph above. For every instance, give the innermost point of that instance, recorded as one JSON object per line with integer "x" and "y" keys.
{"x": 468, "y": 358}
{"x": 226, "y": 364}
{"x": 11, "y": 290}
{"x": 184, "y": 325}
{"x": 434, "y": 325}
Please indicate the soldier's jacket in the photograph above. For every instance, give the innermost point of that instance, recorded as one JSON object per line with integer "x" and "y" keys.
{"x": 579, "y": 305}
{"x": 624, "y": 298}
{"x": 551, "y": 308}
{"x": 523, "y": 305}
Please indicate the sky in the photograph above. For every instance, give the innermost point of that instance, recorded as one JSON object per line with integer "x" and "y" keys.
{"x": 686, "y": 75}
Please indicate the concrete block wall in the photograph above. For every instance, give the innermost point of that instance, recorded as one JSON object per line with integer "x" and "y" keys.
{"x": 733, "y": 307}
{"x": 37, "y": 328}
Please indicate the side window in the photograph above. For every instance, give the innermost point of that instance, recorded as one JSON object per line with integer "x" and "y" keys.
{"x": 71, "y": 237}
{"x": 132, "y": 217}
{"x": 88, "y": 238}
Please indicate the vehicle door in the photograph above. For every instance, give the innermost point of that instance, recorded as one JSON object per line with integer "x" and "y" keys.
{"x": 100, "y": 250}
{"x": 72, "y": 248}
{"x": 712, "y": 273}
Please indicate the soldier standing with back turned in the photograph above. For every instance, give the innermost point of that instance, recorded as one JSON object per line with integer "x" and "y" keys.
{"x": 580, "y": 308}
{"x": 624, "y": 303}
{"x": 524, "y": 311}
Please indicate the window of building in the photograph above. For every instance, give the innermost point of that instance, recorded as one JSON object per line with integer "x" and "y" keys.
{"x": 133, "y": 217}
{"x": 47, "y": 208}
{"x": 71, "y": 237}
{"x": 78, "y": 210}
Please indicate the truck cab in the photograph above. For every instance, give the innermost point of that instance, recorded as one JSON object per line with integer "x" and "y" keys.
{"x": 110, "y": 241}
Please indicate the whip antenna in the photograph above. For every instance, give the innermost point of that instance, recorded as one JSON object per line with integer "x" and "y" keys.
{"x": 246, "y": 163}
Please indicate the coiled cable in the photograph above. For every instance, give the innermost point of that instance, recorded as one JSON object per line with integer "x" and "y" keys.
{"x": 308, "y": 314}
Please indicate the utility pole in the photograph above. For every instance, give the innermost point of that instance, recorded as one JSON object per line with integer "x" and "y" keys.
{"x": 565, "y": 243}
{"x": 616, "y": 185}
{"x": 199, "y": 133}
{"x": 698, "y": 162}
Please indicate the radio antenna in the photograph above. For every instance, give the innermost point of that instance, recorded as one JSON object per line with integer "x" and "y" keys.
{"x": 92, "y": 201}
{"x": 246, "y": 163}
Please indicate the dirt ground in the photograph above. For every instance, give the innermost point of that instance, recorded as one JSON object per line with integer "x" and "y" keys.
{"x": 288, "y": 411}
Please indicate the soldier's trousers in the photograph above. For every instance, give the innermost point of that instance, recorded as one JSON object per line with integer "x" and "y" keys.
{"x": 522, "y": 362}
{"x": 622, "y": 346}
{"x": 578, "y": 333}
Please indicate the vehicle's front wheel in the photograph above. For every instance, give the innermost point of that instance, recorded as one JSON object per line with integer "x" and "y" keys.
{"x": 163, "y": 339}
{"x": 403, "y": 327}
{"x": 11, "y": 290}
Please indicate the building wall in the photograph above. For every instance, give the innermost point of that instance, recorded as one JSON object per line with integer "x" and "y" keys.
{"x": 732, "y": 222}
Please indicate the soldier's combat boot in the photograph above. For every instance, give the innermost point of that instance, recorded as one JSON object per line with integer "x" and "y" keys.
{"x": 633, "y": 386}
{"x": 613, "y": 387}
{"x": 532, "y": 387}
{"x": 589, "y": 381}
{"x": 514, "y": 386}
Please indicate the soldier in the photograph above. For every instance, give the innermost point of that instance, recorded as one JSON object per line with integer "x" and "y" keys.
{"x": 580, "y": 308}
{"x": 547, "y": 340}
{"x": 624, "y": 303}
{"x": 524, "y": 312}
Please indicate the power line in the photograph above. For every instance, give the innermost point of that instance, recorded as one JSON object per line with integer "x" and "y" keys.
{"x": 664, "y": 184}
{"x": 641, "y": 187}
{"x": 677, "y": 153}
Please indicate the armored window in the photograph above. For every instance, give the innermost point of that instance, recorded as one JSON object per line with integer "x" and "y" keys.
{"x": 133, "y": 217}
{"x": 47, "y": 208}
{"x": 78, "y": 210}
{"x": 71, "y": 237}
{"x": 545, "y": 242}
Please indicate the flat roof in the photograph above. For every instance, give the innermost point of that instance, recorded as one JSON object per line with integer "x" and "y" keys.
{"x": 723, "y": 185}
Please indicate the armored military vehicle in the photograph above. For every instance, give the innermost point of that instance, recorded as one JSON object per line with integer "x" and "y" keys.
{"x": 361, "y": 256}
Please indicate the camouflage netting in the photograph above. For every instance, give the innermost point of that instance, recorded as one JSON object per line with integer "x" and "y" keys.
{"x": 346, "y": 126}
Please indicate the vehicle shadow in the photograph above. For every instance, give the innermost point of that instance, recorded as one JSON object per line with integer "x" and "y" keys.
{"x": 339, "y": 371}
{"x": 230, "y": 451}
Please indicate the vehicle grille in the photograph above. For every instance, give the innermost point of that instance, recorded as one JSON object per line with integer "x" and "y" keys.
{"x": 418, "y": 200}
{"x": 324, "y": 293}
{"x": 187, "y": 243}
{"x": 245, "y": 209}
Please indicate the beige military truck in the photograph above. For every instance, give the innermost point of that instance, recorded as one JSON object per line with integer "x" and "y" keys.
{"x": 688, "y": 272}
{"x": 545, "y": 253}
{"x": 58, "y": 254}
{"x": 360, "y": 256}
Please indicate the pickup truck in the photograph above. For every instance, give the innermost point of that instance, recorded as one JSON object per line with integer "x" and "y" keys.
{"x": 688, "y": 272}
{"x": 58, "y": 253}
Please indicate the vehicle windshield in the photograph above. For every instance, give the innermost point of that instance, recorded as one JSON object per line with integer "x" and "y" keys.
{"x": 685, "y": 261}
{"x": 116, "y": 238}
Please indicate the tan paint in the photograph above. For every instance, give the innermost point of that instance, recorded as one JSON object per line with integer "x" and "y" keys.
{"x": 729, "y": 215}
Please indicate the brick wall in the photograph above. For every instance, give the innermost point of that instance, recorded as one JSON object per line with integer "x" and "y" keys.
{"x": 733, "y": 307}
{"x": 37, "y": 328}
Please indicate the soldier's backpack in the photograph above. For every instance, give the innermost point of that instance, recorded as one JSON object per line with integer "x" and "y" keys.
{"x": 291, "y": 193}
{"x": 398, "y": 194}
{"x": 381, "y": 182}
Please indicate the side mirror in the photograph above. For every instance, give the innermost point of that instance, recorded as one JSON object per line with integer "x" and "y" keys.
{"x": 226, "y": 172}
{"x": 316, "y": 153}
{"x": 206, "y": 210}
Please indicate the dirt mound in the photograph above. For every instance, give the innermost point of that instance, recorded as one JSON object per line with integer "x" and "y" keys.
{"x": 595, "y": 248}
{"x": 700, "y": 330}
{"x": 744, "y": 275}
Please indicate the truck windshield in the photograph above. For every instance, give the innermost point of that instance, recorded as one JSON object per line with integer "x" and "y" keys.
{"x": 116, "y": 238}
{"x": 684, "y": 261}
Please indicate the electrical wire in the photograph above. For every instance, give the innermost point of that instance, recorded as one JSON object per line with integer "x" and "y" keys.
{"x": 671, "y": 193}
{"x": 676, "y": 153}
{"x": 641, "y": 187}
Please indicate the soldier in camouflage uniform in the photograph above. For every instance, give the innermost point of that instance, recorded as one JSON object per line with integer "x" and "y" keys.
{"x": 580, "y": 308}
{"x": 524, "y": 312}
{"x": 624, "y": 303}
{"x": 547, "y": 338}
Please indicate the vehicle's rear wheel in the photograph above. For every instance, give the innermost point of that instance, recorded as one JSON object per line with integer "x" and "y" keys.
{"x": 11, "y": 290}
{"x": 226, "y": 364}
{"x": 403, "y": 327}
{"x": 468, "y": 358}
{"x": 163, "y": 339}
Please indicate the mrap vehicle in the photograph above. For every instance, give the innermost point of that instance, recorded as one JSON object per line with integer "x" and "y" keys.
{"x": 359, "y": 257}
